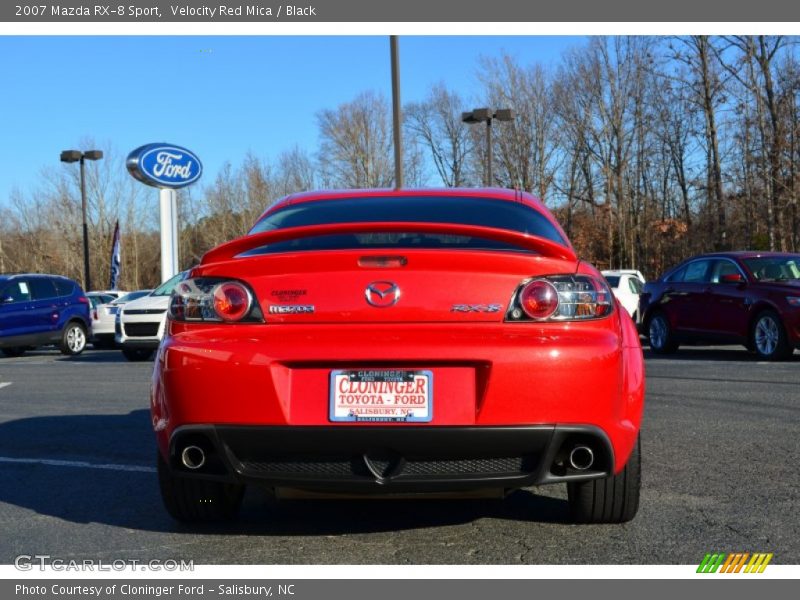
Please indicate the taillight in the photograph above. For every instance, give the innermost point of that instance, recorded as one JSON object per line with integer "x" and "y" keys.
{"x": 83, "y": 300}
{"x": 95, "y": 315}
{"x": 214, "y": 299}
{"x": 561, "y": 298}
{"x": 539, "y": 299}
{"x": 231, "y": 301}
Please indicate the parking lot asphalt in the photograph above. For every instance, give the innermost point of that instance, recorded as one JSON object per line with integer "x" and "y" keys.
{"x": 721, "y": 449}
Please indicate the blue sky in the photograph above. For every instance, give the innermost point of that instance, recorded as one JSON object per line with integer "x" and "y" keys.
{"x": 218, "y": 96}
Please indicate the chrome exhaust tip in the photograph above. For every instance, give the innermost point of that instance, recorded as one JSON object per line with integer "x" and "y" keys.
{"x": 581, "y": 458}
{"x": 193, "y": 457}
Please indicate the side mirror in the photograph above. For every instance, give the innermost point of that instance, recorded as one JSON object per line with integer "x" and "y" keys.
{"x": 732, "y": 278}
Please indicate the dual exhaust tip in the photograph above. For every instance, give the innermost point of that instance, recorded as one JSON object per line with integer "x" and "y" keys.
{"x": 193, "y": 457}
{"x": 581, "y": 458}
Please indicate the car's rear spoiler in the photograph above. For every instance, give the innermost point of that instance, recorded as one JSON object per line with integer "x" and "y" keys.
{"x": 236, "y": 247}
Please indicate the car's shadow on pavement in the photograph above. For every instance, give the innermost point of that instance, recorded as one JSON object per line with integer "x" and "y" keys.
{"x": 99, "y": 469}
{"x": 90, "y": 355}
{"x": 715, "y": 353}
{"x": 99, "y": 355}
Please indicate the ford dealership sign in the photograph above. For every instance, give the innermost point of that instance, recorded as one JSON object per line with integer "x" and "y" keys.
{"x": 164, "y": 165}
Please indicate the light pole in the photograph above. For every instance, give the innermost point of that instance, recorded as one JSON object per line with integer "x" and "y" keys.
{"x": 397, "y": 130}
{"x": 71, "y": 156}
{"x": 487, "y": 115}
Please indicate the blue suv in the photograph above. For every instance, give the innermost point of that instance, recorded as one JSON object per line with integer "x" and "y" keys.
{"x": 36, "y": 310}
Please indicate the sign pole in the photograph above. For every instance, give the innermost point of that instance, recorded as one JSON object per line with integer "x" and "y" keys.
{"x": 169, "y": 232}
{"x": 166, "y": 167}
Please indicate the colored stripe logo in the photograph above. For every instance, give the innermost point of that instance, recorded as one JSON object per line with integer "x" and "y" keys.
{"x": 738, "y": 562}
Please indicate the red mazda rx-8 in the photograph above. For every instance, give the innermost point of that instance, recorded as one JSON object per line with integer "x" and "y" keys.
{"x": 398, "y": 341}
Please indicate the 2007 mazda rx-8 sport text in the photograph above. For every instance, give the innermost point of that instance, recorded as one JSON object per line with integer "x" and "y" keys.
{"x": 375, "y": 342}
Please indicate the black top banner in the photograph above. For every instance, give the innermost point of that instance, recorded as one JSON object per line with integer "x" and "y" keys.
{"x": 404, "y": 11}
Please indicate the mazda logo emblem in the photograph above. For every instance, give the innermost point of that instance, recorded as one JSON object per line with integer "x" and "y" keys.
{"x": 382, "y": 294}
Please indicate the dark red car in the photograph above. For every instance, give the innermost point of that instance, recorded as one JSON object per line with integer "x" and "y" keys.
{"x": 750, "y": 298}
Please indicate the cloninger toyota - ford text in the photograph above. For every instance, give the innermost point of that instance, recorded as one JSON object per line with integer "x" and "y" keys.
{"x": 391, "y": 342}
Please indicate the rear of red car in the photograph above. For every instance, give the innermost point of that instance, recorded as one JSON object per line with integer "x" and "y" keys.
{"x": 392, "y": 342}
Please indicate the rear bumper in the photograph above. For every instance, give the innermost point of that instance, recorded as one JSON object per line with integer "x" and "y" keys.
{"x": 484, "y": 376}
{"x": 390, "y": 459}
{"x": 104, "y": 329}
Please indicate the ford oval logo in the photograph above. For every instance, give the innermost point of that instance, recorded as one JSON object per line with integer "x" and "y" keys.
{"x": 164, "y": 165}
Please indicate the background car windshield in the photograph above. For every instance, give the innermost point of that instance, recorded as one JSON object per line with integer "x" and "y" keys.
{"x": 774, "y": 268}
{"x": 487, "y": 212}
{"x": 165, "y": 289}
{"x": 130, "y": 297}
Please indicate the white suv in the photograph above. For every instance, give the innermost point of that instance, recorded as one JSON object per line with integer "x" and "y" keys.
{"x": 140, "y": 324}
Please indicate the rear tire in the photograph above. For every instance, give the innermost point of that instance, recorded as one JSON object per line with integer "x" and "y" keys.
{"x": 137, "y": 354}
{"x": 13, "y": 352}
{"x": 73, "y": 339}
{"x": 662, "y": 338}
{"x": 613, "y": 499}
{"x": 768, "y": 337}
{"x": 197, "y": 500}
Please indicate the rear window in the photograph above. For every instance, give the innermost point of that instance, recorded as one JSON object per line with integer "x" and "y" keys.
{"x": 486, "y": 212}
{"x": 96, "y": 299}
{"x": 64, "y": 287}
{"x": 613, "y": 280}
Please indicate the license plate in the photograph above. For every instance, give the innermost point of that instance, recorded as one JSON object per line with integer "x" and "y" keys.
{"x": 381, "y": 395}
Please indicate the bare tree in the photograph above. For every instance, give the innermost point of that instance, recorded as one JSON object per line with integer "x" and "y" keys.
{"x": 436, "y": 124}
{"x": 524, "y": 147}
{"x": 356, "y": 143}
{"x": 698, "y": 54}
{"x": 296, "y": 171}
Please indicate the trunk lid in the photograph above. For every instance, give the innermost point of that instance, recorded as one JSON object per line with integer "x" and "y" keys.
{"x": 350, "y": 286}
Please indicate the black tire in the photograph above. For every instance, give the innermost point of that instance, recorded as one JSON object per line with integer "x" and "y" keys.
{"x": 73, "y": 339}
{"x": 137, "y": 354}
{"x": 197, "y": 500}
{"x": 768, "y": 337}
{"x": 613, "y": 499}
{"x": 13, "y": 352}
{"x": 659, "y": 331}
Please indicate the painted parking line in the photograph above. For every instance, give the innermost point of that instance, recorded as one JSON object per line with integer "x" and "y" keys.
{"x": 5, "y": 384}
{"x": 76, "y": 464}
